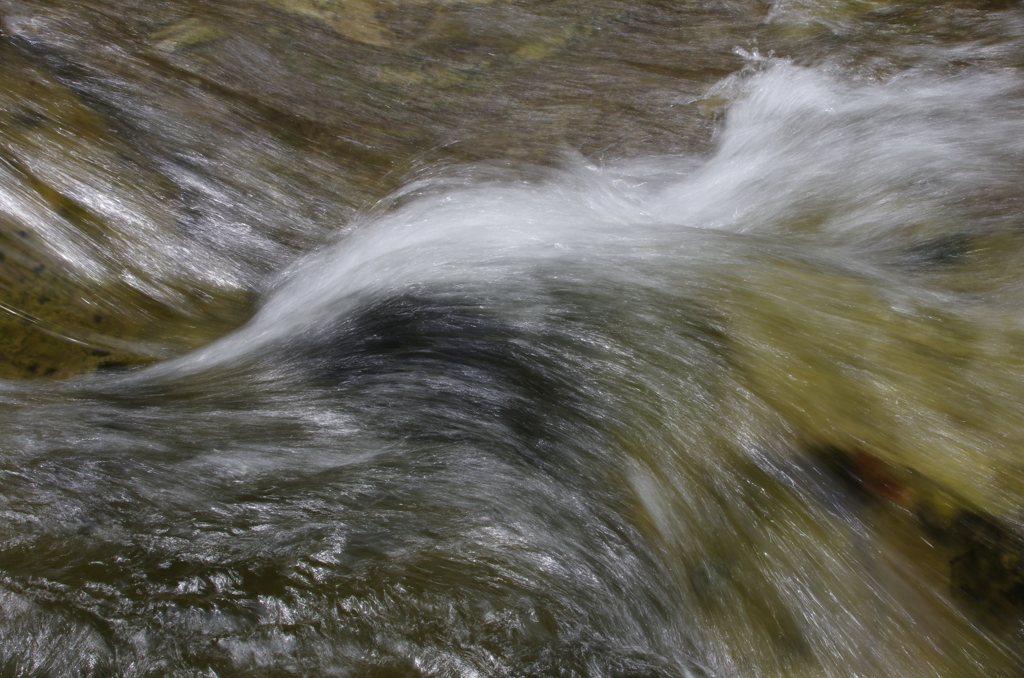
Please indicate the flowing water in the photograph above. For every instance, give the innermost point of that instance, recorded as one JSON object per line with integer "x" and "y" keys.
{"x": 511, "y": 338}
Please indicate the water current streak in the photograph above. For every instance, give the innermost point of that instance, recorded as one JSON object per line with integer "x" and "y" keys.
{"x": 511, "y": 338}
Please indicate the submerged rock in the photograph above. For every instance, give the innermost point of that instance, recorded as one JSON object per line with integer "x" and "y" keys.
{"x": 984, "y": 556}
{"x": 990, "y": 572}
{"x": 920, "y": 380}
{"x": 84, "y": 218}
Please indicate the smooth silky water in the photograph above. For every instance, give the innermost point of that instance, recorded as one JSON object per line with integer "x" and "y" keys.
{"x": 510, "y": 339}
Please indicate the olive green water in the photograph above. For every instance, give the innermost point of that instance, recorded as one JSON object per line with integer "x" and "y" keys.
{"x": 489, "y": 338}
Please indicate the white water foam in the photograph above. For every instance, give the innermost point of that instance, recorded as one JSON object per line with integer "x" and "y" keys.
{"x": 803, "y": 154}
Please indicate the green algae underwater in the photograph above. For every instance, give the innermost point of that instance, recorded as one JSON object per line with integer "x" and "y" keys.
{"x": 511, "y": 338}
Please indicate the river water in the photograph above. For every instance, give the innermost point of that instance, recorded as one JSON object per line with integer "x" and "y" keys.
{"x": 490, "y": 338}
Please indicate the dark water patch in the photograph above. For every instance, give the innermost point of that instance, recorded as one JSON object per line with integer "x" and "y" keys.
{"x": 455, "y": 363}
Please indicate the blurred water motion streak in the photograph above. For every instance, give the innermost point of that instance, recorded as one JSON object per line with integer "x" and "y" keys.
{"x": 511, "y": 338}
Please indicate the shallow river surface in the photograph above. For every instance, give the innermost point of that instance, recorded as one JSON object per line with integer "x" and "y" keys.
{"x": 440, "y": 338}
